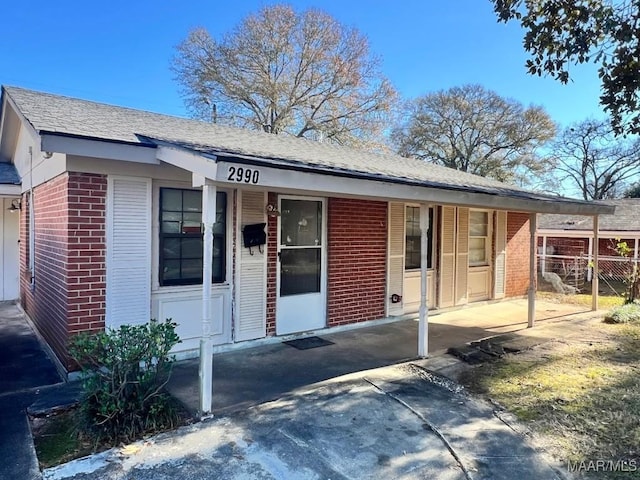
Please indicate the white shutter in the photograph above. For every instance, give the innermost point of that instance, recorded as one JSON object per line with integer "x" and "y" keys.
{"x": 501, "y": 255}
{"x": 447, "y": 256}
{"x": 128, "y": 251}
{"x": 395, "y": 270}
{"x": 462, "y": 257}
{"x": 251, "y": 275}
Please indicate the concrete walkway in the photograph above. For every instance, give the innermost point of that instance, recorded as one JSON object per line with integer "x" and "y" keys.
{"x": 396, "y": 422}
{"x": 247, "y": 377}
{"x": 25, "y": 370}
{"x": 352, "y": 409}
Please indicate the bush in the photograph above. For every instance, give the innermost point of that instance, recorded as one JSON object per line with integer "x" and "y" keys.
{"x": 628, "y": 313}
{"x": 124, "y": 374}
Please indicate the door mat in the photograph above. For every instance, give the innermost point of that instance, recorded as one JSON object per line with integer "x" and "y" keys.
{"x": 308, "y": 342}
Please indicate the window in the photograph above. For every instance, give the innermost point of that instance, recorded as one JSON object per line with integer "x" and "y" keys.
{"x": 478, "y": 238}
{"x": 412, "y": 238}
{"x": 181, "y": 237}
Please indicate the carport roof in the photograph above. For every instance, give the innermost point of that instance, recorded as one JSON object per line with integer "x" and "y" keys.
{"x": 70, "y": 117}
{"x": 626, "y": 219}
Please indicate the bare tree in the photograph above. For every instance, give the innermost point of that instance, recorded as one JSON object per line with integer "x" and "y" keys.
{"x": 475, "y": 130}
{"x": 283, "y": 72}
{"x": 592, "y": 160}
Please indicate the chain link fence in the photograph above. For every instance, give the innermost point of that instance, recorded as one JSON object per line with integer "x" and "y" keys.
{"x": 573, "y": 274}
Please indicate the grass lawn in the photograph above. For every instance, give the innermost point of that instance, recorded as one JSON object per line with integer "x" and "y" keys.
{"x": 579, "y": 394}
{"x": 57, "y": 439}
{"x": 604, "y": 301}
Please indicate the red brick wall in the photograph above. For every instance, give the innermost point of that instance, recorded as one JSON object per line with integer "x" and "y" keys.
{"x": 69, "y": 292}
{"x": 356, "y": 260}
{"x": 272, "y": 267}
{"x": 86, "y": 252}
{"x": 567, "y": 246}
{"x": 517, "y": 278}
{"x": 357, "y": 249}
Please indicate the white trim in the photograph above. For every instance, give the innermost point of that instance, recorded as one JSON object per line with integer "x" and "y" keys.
{"x": 98, "y": 149}
{"x": 323, "y": 252}
{"x": 324, "y": 184}
{"x": 628, "y": 234}
{"x": 198, "y": 164}
{"x": 11, "y": 190}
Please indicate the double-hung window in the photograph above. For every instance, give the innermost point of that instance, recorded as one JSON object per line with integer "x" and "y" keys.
{"x": 479, "y": 240}
{"x": 413, "y": 240}
{"x": 181, "y": 236}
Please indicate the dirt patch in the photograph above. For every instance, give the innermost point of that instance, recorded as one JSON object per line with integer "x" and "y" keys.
{"x": 579, "y": 394}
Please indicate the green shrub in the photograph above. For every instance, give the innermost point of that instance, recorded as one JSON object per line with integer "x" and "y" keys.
{"x": 628, "y": 313}
{"x": 124, "y": 374}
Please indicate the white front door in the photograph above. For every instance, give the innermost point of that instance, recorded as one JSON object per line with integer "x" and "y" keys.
{"x": 301, "y": 300}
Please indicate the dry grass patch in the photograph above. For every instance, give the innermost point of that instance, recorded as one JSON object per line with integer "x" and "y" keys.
{"x": 581, "y": 395}
{"x": 604, "y": 301}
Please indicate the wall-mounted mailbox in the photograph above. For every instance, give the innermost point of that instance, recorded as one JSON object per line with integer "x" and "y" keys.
{"x": 254, "y": 236}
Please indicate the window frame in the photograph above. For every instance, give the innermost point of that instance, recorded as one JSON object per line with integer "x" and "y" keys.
{"x": 432, "y": 222}
{"x": 488, "y": 244}
{"x": 159, "y": 237}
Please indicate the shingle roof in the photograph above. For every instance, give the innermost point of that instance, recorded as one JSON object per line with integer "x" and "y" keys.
{"x": 9, "y": 174}
{"x": 626, "y": 218}
{"x": 56, "y": 114}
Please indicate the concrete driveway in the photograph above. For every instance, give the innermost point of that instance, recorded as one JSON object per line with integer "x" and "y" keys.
{"x": 397, "y": 422}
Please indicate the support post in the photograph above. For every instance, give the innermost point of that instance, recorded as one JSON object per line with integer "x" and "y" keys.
{"x": 423, "y": 326}
{"x": 206, "y": 345}
{"x": 596, "y": 271}
{"x": 589, "y": 259}
{"x": 531, "y": 304}
{"x": 543, "y": 263}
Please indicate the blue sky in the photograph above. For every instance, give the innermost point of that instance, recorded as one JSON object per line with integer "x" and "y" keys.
{"x": 119, "y": 52}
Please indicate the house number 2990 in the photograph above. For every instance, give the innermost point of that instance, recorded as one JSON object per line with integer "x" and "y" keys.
{"x": 243, "y": 175}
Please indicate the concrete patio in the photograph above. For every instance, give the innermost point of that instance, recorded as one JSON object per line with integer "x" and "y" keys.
{"x": 251, "y": 376}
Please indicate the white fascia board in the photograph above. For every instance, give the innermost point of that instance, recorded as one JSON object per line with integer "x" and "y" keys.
{"x": 623, "y": 234}
{"x": 323, "y": 184}
{"x": 11, "y": 190}
{"x": 85, "y": 147}
{"x": 201, "y": 166}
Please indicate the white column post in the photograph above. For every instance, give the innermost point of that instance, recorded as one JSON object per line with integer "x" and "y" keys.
{"x": 589, "y": 258}
{"x": 531, "y": 310}
{"x": 206, "y": 345}
{"x": 543, "y": 263}
{"x": 423, "y": 326}
{"x": 596, "y": 271}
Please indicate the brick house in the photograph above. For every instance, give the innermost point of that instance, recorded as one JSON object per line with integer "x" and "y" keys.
{"x": 564, "y": 238}
{"x": 129, "y": 215}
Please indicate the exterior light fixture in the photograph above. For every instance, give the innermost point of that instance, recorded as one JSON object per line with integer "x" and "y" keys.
{"x": 16, "y": 205}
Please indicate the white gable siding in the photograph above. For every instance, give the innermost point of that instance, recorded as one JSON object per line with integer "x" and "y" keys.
{"x": 128, "y": 250}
